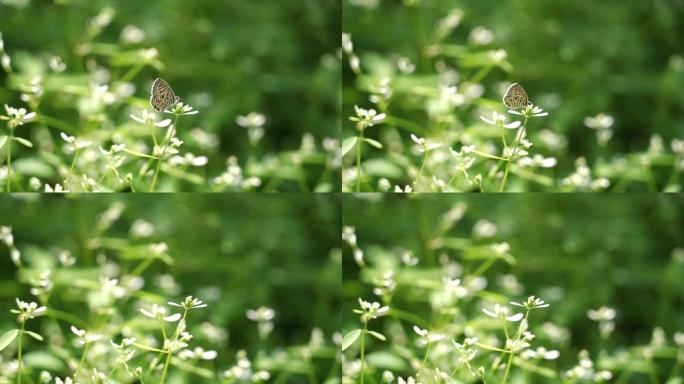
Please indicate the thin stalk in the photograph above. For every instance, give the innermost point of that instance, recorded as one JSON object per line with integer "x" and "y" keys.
{"x": 168, "y": 352}
{"x": 71, "y": 168}
{"x": 420, "y": 171}
{"x": 363, "y": 347}
{"x": 85, "y": 351}
{"x": 21, "y": 334}
{"x": 508, "y": 367}
{"x": 358, "y": 164}
{"x": 515, "y": 147}
{"x": 9, "y": 161}
{"x": 128, "y": 76}
{"x": 484, "y": 71}
{"x": 161, "y": 157}
{"x": 511, "y": 353}
{"x": 112, "y": 371}
{"x": 427, "y": 353}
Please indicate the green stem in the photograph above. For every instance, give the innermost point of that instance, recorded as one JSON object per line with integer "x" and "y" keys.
{"x": 128, "y": 76}
{"x": 508, "y": 367}
{"x": 427, "y": 353}
{"x": 173, "y": 342}
{"x": 9, "y": 160}
{"x": 85, "y": 351}
{"x": 481, "y": 74}
{"x": 363, "y": 348}
{"x": 358, "y": 164}
{"x": 503, "y": 138}
{"x": 420, "y": 171}
{"x": 112, "y": 372}
{"x": 512, "y": 155}
{"x": 73, "y": 162}
{"x": 21, "y": 334}
{"x": 167, "y": 142}
{"x": 511, "y": 352}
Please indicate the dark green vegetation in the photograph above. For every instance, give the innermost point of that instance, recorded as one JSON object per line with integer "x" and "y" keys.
{"x": 86, "y": 66}
{"x": 453, "y": 257}
{"x": 234, "y": 254}
{"x": 576, "y": 59}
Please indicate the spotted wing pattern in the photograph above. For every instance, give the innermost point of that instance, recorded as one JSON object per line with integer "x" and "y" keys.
{"x": 516, "y": 97}
{"x": 162, "y": 96}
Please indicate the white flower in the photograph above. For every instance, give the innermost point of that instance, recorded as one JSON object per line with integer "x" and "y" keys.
{"x": 541, "y": 353}
{"x": 499, "y": 120}
{"x": 17, "y": 117}
{"x": 501, "y": 312}
{"x": 601, "y": 314}
{"x": 15, "y": 255}
{"x": 370, "y": 310}
{"x": 131, "y": 34}
{"x": 531, "y": 303}
{"x": 74, "y": 143}
{"x": 366, "y": 118}
{"x": 539, "y": 161}
{"x": 529, "y": 111}
{"x": 425, "y": 145}
{"x": 484, "y": 228}
{"x": 261, "y": 314}
{"x": 407, "y": 189}
{"x": 347, "y": 44}
{"x": 349, "y": 235}
{"x": 182, "y": 109}
{"x": 600, "y": 121}
{"x": 159, "y": 312}
{"x": 6, "y": 236}
{"x": 481, "y": 36}
{"x": 150, "y": 119}
{"x": 27, "y": 311}
{"x": 85, "y": 337}
{"x": 428, "y": 337}
{"x": 198, "y": 353}
{"x": 45, "y": 377}
{"x": 66, "y": 259}
{"x": 189, "y": 303}
{"x": 57, "y": 189}
{"x": 142, "y": 228}
{"x": 251, "y": 120}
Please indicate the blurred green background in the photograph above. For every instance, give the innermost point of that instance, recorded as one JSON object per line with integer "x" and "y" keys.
{"x": 576, "y": 251}
{"x": 234, "y": 253}
{"x": 225, "y": 58}
{"x": 575, "y": 58}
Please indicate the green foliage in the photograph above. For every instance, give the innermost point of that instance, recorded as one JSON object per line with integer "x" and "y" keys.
{"x": 88, "y": 66}
{"x": 440, "y": 268}
{"x": 99, "y": 269}
{"x": 433, "y": 67}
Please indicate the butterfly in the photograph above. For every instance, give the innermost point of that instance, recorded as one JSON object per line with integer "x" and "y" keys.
{"x": 516, "y": 97}
{"x": 162, "y": 96}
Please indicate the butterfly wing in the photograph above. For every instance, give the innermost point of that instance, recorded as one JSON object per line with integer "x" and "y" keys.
{"x": 516, "y": 97}
{"x": 162, "y": 96}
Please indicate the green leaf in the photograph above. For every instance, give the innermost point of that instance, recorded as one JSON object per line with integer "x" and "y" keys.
{"x": 139, "y": 154}
{"x": 44, "y": 360}
{"x": 348, "y": 144}
{"x": 34, "y": 167}
{"x": 377, "y": 335}
{"x": 350, "y": 338}
{"x": 372, "y": 142}
{"x": 386, "y": 360}
{"x": 3, "y": 140}
{"x": 23, "y": 142}
{"x": 7, "y": 338}
{"x": 34, "y": 335}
